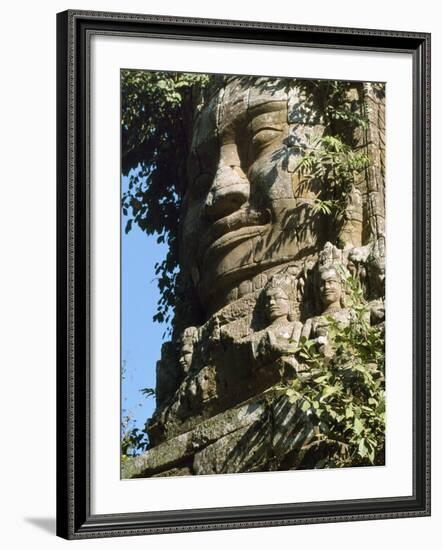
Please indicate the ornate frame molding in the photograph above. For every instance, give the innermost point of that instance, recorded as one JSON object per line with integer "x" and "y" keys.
{"x": 74, "y": 519}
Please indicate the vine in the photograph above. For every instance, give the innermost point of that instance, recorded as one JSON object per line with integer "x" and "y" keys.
{"x": 344, "y": 396}
{"x": 333, "y": 161}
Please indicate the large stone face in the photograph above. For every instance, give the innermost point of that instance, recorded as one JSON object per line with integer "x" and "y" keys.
{"x": 265, "y": 267}
{"x": 243, "y": 193}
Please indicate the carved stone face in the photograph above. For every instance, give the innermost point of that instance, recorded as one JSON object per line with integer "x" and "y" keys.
{"x": 185, "y": 359}
{"x": 376, "y": 273}
{"x": 330, "y": 288}
{"x": 243, "y": 211}
{"x": 277, "y": 303}
{"x": 187, "y": 345}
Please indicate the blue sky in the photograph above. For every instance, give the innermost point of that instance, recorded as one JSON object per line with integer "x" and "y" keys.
{"x": 141, "y": 337}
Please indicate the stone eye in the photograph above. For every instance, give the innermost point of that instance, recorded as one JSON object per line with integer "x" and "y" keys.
{"x": 264, "y": 137}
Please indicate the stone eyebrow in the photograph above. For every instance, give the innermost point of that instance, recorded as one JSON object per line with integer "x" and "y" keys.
{"x": 267, "y": 107}
{"x": 270, "y": 115}
{"x": 259, "y": 127}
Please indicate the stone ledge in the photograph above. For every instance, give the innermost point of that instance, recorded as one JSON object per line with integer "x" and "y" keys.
{"x": 263, "y": 434}
{"x": 174, "y": 452}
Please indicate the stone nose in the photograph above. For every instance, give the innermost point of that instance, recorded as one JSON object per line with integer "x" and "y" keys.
{"x": 230, "y": 188}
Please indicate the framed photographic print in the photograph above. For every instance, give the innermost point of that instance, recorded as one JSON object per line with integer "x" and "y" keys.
{"x": 243, "y": 274}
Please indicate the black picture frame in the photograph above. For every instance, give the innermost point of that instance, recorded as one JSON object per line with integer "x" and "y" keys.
{"x": 74, "y": 518}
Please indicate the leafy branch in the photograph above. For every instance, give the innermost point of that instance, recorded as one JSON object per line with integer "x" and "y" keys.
{"x": 155, "y": 127}
{"x": 133, "y": 440}
{"x": 335, "y": 164}
{"x": 333, "y": 161}
{"x": 344, "y": 396}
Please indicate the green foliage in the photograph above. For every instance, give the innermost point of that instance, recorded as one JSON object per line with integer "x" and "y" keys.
{"x": 344, "y": 395}
{"x": 148, "y": 392}
{"x": 154, "y": 129}
{"x": 334, "y": 160}
{"x": 133, "y": 441}
{"x": 335, "y": 164}
{"x": 152, "y": 116}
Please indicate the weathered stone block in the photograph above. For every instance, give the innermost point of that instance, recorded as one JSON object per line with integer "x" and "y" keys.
{"x": 245, "y": 450}
{"x": 176, "y": 450}
{"x": 175, "y": 472}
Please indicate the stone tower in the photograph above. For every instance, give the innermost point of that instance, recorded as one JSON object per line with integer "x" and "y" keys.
{"x": 260, "y": 265}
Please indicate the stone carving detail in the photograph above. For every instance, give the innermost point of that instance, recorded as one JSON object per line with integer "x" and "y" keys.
{"x": 330, "y": 276}
{"x": 280, "y": 339}
{"x": 188, "y": 341}
{"x": 245, "y": 210}
{"x": 259, "y": 258}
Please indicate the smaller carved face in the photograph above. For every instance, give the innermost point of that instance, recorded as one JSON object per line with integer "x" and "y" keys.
{"x": 185, "y": 359}
{"x": 330, "y": 287}
{"x": 278, "y": 303}
{"x": 188, "y": 341}
{"x": 376, "y": 272}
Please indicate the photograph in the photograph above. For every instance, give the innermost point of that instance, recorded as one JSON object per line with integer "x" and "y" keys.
{"x": 243, "y": 265}
{"x": 224, "y": 243}
{"x": 252, "y": 273}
